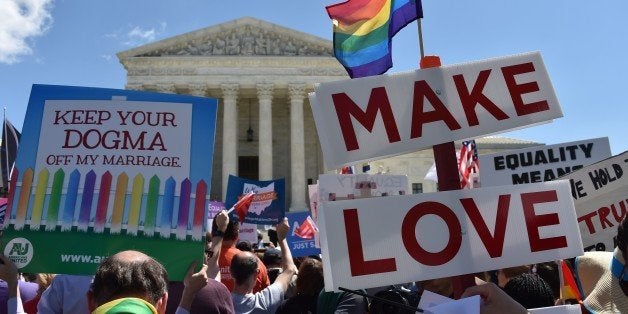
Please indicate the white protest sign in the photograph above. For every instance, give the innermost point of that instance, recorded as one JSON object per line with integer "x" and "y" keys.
{"x": 335, "y": 187}
{"x": 600, "y": 194}
{"x": 247, "y": 232}
{"x": 561, "y": 309}
{"x": 373, "y": 117}
{"x": 470, "y": 305}
{"x": 541, "y": 163}
{"x": 389, "y": 240}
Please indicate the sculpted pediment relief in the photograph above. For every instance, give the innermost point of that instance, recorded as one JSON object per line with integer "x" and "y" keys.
{"x": 242, "y": 37}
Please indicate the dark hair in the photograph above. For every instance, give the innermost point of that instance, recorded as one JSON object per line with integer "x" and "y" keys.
{"x": 233, "y": 229}
{"x": 242, "y": 267}
{"x": 116, "y": 278}
{"x": 549, "y": 272}
{"x": 244, "y": 246}
{"x": 397, "y": 295}
{"x": 511, "y": 272}
{"x": 310, "y": 279}
{"x": 530, "y": 290}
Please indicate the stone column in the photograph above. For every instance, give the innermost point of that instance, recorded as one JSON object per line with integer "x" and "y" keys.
{"x": 229, "y": 133}
{"x": 297, "y": 148}
{"x": 265, "y": 97}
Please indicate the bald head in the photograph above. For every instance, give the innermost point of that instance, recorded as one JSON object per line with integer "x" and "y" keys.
{"x": 129, "y": 274}
{"x": 243, "y": 267}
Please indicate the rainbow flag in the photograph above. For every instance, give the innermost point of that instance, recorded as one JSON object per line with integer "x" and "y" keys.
{"x": 570, "y": 288}
{"x": 363, "y": 32}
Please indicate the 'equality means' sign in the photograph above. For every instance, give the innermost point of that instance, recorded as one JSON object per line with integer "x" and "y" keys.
{"x": 103, "y": 170}
{"x": 600, "y": 194}
{"x": 389, "y": 240}
{"x": 373, "y": 117}
{"x": 541, "y": 163}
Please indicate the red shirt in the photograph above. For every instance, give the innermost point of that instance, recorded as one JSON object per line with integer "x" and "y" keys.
{"x": 224, "y": 261}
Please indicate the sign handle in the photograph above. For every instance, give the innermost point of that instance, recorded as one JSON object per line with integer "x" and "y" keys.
{"x": 448, "y": 177}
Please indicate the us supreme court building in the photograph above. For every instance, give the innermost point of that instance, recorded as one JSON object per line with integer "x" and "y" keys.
{"x": 261, "y": 73}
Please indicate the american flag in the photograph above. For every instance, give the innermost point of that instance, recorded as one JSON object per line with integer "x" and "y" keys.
{"x": 468, "y": 163}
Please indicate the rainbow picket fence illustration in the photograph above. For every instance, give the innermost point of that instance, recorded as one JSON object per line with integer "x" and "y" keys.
{"x": 102, "y": 170}
{"x": 77, "y": 212}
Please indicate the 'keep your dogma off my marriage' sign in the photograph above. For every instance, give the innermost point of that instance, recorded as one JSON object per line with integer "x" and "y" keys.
{"x": 101, "y": 170}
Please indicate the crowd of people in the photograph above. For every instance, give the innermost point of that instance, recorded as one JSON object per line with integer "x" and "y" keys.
{"x": 240, "y": 278}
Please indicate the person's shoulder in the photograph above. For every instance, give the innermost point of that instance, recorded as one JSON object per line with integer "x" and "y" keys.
{"x": 217, "y": 286}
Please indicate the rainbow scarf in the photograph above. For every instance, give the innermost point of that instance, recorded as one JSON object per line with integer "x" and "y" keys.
{"x": 363, "y": 32}
{"x": 126, "y": 305}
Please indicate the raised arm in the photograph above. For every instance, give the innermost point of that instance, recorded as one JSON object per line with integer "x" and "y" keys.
{"x": 8, "y": 273}
{"x": 289, "y": 269}
{"x": 213, "y": 270}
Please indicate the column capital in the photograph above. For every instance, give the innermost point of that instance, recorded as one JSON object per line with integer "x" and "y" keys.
{"x": 166, "y": 88}
{"x": 265, "y": 90}
{"x": 198, "y": 90}
{"x": 230, "y": 90}
{"x": 296, "y": 90}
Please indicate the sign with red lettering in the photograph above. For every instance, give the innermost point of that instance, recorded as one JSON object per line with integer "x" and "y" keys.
{"x": 541, "y": 163}
{"x": 101, "y": 170}
{"x": 389, "y": 240}
{"x": 385, "y": 115}
{"x": 600, "y": 194}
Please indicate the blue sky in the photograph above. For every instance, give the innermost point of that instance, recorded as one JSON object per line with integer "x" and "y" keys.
{"x": 584, "y": 44}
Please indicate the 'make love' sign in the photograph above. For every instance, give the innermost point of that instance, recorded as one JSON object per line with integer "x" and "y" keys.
{"x": 373, "y": 117}
{"x": 397, "y": 239}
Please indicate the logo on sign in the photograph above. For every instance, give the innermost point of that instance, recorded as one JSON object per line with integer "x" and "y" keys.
{"x": 263, "y": 197}
{"x": 19, "y": 251}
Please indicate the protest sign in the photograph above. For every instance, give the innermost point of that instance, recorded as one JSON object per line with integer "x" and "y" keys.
{"x": 378, "y": 116}
{"x": 335, "y": 187}
{"x": 269, "y": 202}
{"x": 541, "y": 163}
{"x": 301, "y": 241}
{"x": 560, "y": 309}
{"x": 102, "y": 170}
{"x": 599, "y": 192}
{"x": 247, "y": 232}
{"x": 389, "y": 240}
{"x": 213, "y": 208}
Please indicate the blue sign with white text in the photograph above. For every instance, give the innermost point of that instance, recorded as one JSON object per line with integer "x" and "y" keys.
{"x": 269, "y": 202}
{"x": 302, "y": 236}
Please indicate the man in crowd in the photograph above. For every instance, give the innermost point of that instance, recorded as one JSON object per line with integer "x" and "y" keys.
{"x": 228, "y": 251}
{"x": 244, "y": 270}
{"x": 133, "y": 282}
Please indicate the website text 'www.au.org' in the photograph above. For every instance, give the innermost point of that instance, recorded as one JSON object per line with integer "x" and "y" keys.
{"x": 75, "y": 258}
